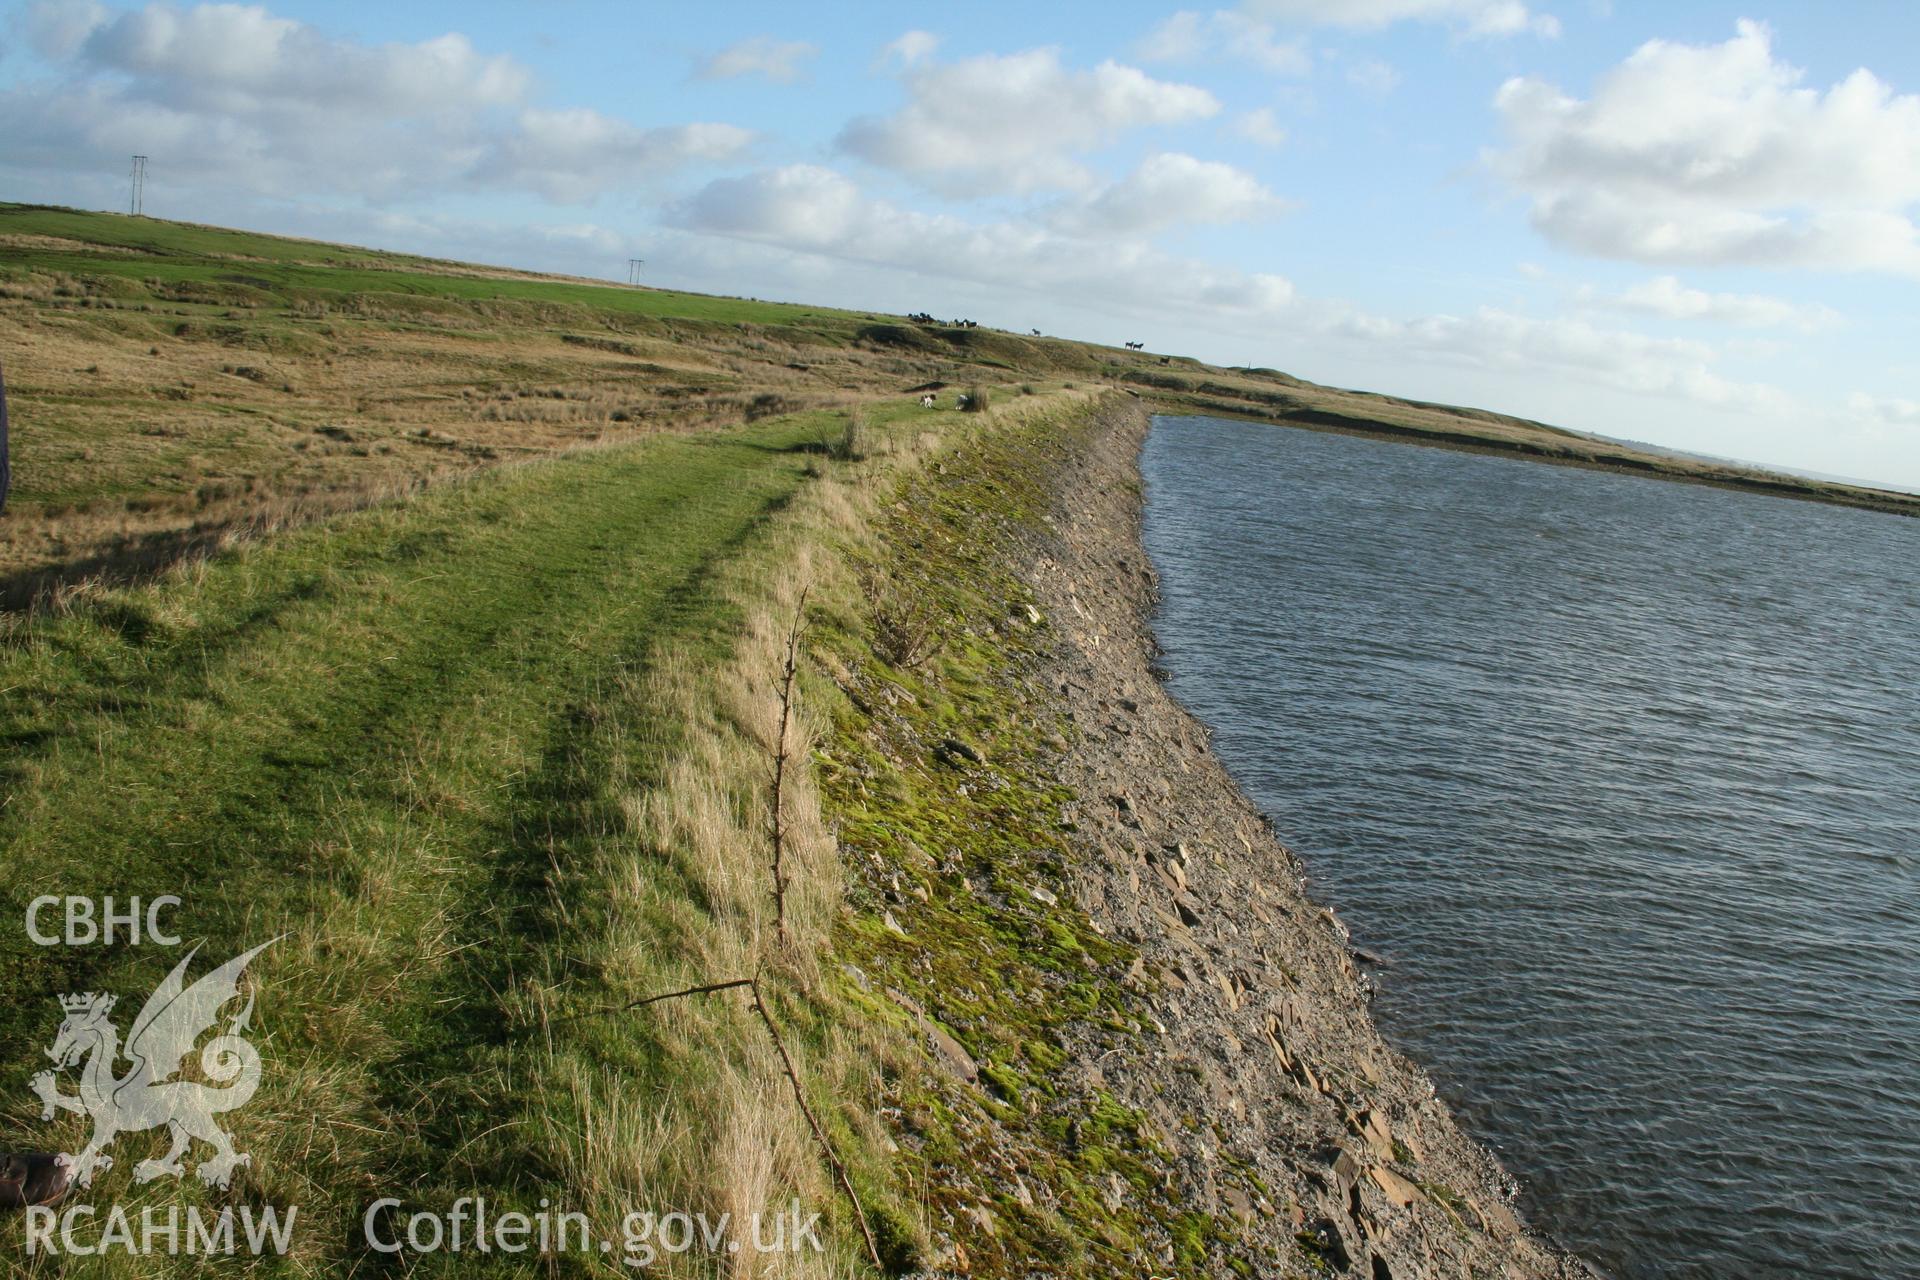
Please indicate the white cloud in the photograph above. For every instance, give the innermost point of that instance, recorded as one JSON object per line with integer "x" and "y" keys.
{"x": 1189, "y": 36}
{"x": 1371, "y": 75}
{"x": 910, "y": 49}
{"x": 232, "y": 97}
{"x": 1718, "y": 154}
{"x": 777, "y": 60}
{"x": 1891, "y": 410}
{"x": 224, "y": 56}
{"x": 1475, "y": 17}
{"x": 574, "y": 154}
{"x": 1561, "y": 347}
{"x": 1011, "y": 123}
{"x": 811, "y": 209}
{"x": 1261, "y": 128}
{"x": 1666, "y": 296}
{"x": 57, "y": 27}
{"x": 1170, "y": 189}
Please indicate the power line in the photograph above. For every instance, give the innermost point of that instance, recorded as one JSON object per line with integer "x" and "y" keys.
{"x": 633, "y": 269}
{"x": 135, "y": 203}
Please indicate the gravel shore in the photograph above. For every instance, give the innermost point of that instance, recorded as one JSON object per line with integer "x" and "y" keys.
{"x": 1262, "y": 1067}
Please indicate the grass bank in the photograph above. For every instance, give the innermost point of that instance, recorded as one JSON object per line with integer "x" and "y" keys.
{"x": 487, "y": 762}
{"x": 963, "y": 931}
{"x": 173, "y": 384}
{"x": 491, "y": 761}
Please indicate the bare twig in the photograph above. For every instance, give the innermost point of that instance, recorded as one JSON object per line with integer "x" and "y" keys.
{"x": 820, "y": 1135}
{"x": 793, "y": 1079}
{"x": 670, "y": 995}
{"x": 776, "y": 798}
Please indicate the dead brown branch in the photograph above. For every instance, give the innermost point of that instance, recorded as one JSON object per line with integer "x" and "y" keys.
{"x": 776, "y": 798}
{"x": 793, "y": 1080}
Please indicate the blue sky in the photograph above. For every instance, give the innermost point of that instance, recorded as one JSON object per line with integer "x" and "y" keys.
{"x": 1692, "y": 225}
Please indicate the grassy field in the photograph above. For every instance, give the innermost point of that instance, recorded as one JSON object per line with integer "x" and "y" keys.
{"x": 175, "y": 385}
{"x": 491, "y": 762}
{"x": 393, "y": 740}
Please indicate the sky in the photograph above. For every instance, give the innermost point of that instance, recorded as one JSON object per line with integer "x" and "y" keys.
{"x": 1686, "y": 224}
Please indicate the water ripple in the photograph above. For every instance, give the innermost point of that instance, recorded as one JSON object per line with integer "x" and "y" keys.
{"x": 1622, "y": 775}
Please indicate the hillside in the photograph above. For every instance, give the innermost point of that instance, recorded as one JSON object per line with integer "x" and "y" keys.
{"x": 174, "y": 383}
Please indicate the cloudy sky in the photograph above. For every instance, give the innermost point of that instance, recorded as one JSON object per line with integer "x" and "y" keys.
{"x": 1687, "y": 224}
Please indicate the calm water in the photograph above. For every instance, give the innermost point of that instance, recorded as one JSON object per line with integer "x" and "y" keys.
{"x": 1623, "y": 779}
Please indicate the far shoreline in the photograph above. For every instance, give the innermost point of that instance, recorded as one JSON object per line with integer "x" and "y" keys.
{"x": 1531, "y": 442}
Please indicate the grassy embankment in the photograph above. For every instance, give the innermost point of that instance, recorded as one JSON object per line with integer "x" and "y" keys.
{"x": 489, "y": 760}
{"x": 492, "y": 758}
{"x": 489, "y": 743}
{"x": 495, "y": 758}
{"x": 955, "y": 828}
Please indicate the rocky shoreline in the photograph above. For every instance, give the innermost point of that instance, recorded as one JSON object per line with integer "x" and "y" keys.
{"x": 1279, "y": 1102}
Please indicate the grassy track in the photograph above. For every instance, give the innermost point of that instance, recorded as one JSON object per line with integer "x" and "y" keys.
{"x": 379, "y": 738}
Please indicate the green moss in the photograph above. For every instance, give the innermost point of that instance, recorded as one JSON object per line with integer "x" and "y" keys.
{"x": 979, "y": 830}
{"x": 1004, "y": 1080}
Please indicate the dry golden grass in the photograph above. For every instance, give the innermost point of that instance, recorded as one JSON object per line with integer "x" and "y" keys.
{"x": 147, "y": 426}
{"x": 735, "y": 1142}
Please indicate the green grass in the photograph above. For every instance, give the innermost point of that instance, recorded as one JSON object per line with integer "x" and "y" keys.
{"x": 422, "y": 742}
{"x": 381, "y": 736}
{"x": 294, "y": 270}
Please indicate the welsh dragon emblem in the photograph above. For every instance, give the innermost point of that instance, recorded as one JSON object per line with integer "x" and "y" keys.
{"x": 145, "y": 1096}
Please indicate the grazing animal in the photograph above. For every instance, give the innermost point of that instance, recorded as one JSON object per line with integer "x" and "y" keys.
{"x": 926, "y": 402}
{"x": 1036, "y": 333}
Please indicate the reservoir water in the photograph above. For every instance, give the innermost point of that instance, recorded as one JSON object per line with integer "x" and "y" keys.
{"x": 1622, "y": 779}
